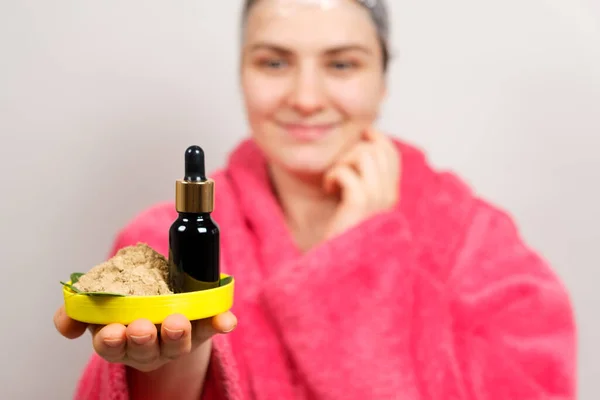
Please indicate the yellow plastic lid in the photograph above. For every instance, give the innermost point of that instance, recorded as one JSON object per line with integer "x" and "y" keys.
{"x": 104, "y": 310}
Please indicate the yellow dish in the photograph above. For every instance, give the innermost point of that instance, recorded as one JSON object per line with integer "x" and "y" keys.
{"x": 103, "y": 310}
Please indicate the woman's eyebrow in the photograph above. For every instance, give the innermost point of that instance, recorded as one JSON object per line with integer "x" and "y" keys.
{"x": 270, "y": 46}
{"x": 330, "y": 51}
{"x": 348, "y": 47}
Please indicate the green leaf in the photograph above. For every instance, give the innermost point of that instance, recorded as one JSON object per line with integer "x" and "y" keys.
{"x": 75, "y": 277}
{"x": 225, "y": 281}
{"x": 73, "y": 288}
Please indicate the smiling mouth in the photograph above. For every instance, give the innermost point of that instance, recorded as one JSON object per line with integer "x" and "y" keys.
{"x": 305, "y": 132}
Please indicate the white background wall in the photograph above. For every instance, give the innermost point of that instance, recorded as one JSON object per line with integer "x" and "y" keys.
{"x": 98, "y": 100}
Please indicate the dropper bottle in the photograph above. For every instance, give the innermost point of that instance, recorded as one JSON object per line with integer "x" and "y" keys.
{"x": 194, "y": 236}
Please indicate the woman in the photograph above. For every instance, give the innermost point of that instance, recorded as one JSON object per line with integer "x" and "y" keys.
{"x": 362, "y": 272}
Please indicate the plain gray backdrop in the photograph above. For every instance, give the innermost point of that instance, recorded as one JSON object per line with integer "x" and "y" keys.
{"x": 99, "y": 99}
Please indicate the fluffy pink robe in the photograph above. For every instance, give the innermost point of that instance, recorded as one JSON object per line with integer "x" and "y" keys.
{"x": 437, "y": 299}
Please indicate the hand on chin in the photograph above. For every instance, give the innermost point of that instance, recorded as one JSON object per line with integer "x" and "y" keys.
{"x": 367, "y": 180}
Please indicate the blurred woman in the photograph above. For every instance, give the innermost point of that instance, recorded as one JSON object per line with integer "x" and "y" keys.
{"x": 362, "y": 273}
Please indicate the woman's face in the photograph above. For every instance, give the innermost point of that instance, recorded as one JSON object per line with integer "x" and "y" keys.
{"x": 312, "y": 78}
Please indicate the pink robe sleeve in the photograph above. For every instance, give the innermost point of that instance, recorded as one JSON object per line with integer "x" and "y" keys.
{"x": 102, "y": 380}
{"x": 366, "y": 316}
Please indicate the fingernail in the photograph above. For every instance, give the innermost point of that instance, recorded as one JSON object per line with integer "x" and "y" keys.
{"x": 174, "y": 335}
{"x": 140, "y": 339}
{"x": 113, "y": 342}
{"x": 232, "y": 325}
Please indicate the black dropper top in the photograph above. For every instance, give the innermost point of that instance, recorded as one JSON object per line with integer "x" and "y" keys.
{"x": 194, "y": 164}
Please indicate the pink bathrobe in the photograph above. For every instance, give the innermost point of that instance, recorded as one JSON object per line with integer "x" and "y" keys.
{"x": 437, "y": 299}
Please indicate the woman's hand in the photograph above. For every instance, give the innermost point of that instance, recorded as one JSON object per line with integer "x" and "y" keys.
{"x": 143, "y": 346}
{"x": 367, "y": 178}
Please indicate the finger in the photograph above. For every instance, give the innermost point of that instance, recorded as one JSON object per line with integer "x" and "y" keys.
{"x": 351, "y": 157}
{"x": 68, "y": 327}
{"x": 359, "y": 156}
{"x": 387, "y": 154}
{"x": 142, "y": 342}
{"x": 380, "y": 145}
{"x": 390, "y": 165}
{"x": 374, "y": 135}
{"x": 93, "y": 328}
{"x": 369, "y": 165}
{"x": 371, "y": 135}
{"x": 110, "y": 342}
{"x": 348, "y": 159}
{"x": 365, "y": 159}
{"x": 351, "y": 186}
{"x": 392, "y": 152}
{"x": 330, "y": 185}
{"x": 203, "y": 330}
{"x": 175, "y": 336}
{"x": 392, "y": 161}
{"x": 225, "y": 322}
{"x": 388, "y": 146}
{"x": 381, "y": 172}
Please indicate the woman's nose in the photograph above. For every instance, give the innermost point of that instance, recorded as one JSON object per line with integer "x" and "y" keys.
{"x": 307, "y": 95}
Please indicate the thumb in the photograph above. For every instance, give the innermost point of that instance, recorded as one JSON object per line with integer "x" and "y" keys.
{"x": 66, "y": 326}
{"x": 204, "y": 329}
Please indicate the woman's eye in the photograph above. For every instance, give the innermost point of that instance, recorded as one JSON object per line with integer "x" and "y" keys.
{"x": 342, "y": 65}
{"x": 274, "y": 64}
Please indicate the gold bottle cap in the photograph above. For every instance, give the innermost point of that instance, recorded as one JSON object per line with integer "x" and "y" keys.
{"x": 195, "y": 197}
{"x": 195, "y": 192}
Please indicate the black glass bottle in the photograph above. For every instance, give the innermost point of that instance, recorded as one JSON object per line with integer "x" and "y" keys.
{"x": 194, "y": 241}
